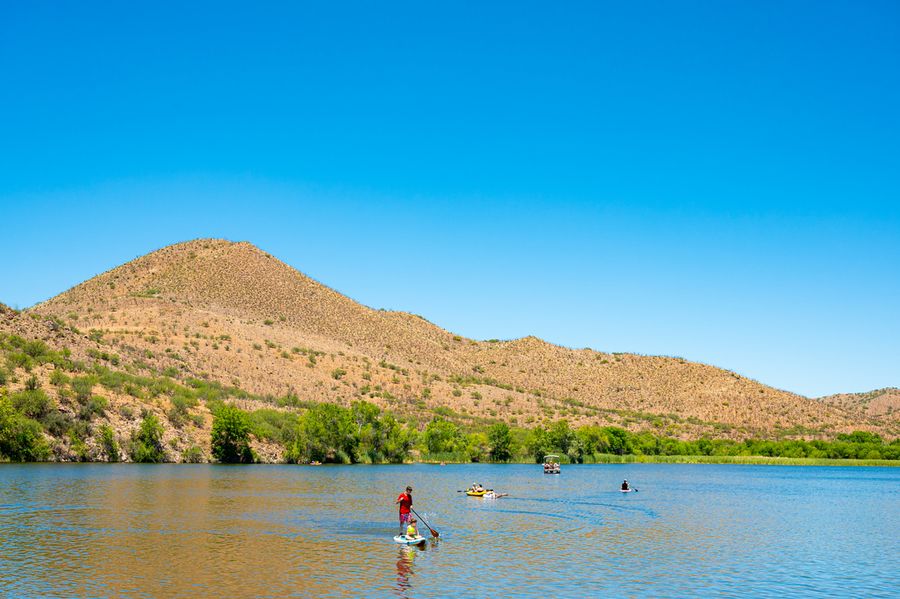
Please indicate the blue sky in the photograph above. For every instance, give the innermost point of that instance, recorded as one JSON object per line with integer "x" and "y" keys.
{"x": 719, "y": 181}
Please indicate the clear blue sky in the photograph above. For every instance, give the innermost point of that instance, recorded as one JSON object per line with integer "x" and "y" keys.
{"x": 715, "y": 180}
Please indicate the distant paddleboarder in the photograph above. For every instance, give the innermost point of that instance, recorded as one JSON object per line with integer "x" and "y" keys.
{"x": 625, "y": 486}
{"x": 404, "y": 500}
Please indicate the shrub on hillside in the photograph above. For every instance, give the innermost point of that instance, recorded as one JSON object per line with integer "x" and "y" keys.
{"x": 33, "y": 403}
{"x": 79, "y": 448}
{"x": 231, "y": 436}
{"x": 35, "y": 349}
{"x": 58, "y": 378}
{"x": 146, "y": 441}
{"x": 193, "y": 455}
{"x": 19, "y": 360}
{"x": 108, "y": 443}
{"x": 176, "y": 418}
{"x": 83, "y": 386}
{"x": 57, "y": 423}
{"x": 182, "y": 401}
{"x": 95, "y": 406}
{"x": 21, "y": 438}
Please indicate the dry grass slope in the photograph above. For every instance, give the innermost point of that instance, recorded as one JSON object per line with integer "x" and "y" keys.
{"x": 881, "y": 403}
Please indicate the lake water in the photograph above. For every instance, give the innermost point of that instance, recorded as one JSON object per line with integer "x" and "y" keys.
{"x": 276, "y": 531}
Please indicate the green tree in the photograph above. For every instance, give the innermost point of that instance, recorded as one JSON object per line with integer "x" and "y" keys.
{"x": 592, "y": 439}
{"x": 645, "y": 443}
{"x": 560, "y": 436}
{"x": 618, "y": 440}
{"x": 476, "y": 446}
{"x": 538, "y": 443}
{"x": 442, "y": 436}
{"x": 397, "y": 440}
{"x": 368, "y": 431}
{"x": 500, "y": 442}
{"x": 860, "y": 437}
{"x": 231, "y": 436}
{"x": 325, "y": 434}
{"x": 558, "y": 439}
{"x": 380, "y": 438}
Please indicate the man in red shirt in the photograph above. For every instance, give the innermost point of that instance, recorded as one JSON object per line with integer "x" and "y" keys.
{"x": 405, "y": 501}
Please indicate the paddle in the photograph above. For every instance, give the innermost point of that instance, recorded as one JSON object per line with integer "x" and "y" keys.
{"x": 433, "y": 532}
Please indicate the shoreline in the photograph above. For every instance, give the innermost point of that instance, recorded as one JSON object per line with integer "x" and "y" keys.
{"x": 744, "y": 461}
{"x": 613, "y": 460}
{"x": 688, "y": 459}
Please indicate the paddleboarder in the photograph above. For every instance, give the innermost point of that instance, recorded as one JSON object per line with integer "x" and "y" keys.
{"x": 404, "y": 500}
{"x": 625, "y": 486}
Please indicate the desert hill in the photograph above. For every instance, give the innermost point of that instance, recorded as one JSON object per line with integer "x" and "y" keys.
{"x": 232, "y": 313}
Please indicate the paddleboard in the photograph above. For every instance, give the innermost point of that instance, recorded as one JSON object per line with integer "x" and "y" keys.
{"x": 626, "y": 490}
{"x": 414, "y": 541}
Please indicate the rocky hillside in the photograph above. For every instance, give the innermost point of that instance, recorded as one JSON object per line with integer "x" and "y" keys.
{"x": 883, "y": 404}
{"x": 229, "y": 312}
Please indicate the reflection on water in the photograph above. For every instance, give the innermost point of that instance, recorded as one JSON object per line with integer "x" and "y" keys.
{"x": 406, "y": 556}
{"x": 404, "y": 569}
{"x": 273, "y": 531}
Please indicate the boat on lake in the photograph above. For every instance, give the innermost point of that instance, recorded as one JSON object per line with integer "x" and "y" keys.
{"x": 551, "y": 464}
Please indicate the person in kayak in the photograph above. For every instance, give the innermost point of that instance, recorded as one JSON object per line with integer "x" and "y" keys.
{"x": 412, "y": 531}
{"x": 404, "y": 500}
{"x": 625, "y": 486}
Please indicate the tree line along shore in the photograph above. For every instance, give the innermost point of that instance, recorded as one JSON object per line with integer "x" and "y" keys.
{"x": 56, "y": 408}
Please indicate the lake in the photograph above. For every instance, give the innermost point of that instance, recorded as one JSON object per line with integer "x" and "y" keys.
{"x": 273, "y": 531}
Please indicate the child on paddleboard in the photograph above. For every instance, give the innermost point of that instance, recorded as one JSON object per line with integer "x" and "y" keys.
{"x": 412, "y": 531}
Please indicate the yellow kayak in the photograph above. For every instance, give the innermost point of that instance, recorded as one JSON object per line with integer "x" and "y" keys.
{"x": 471, "y": 493}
